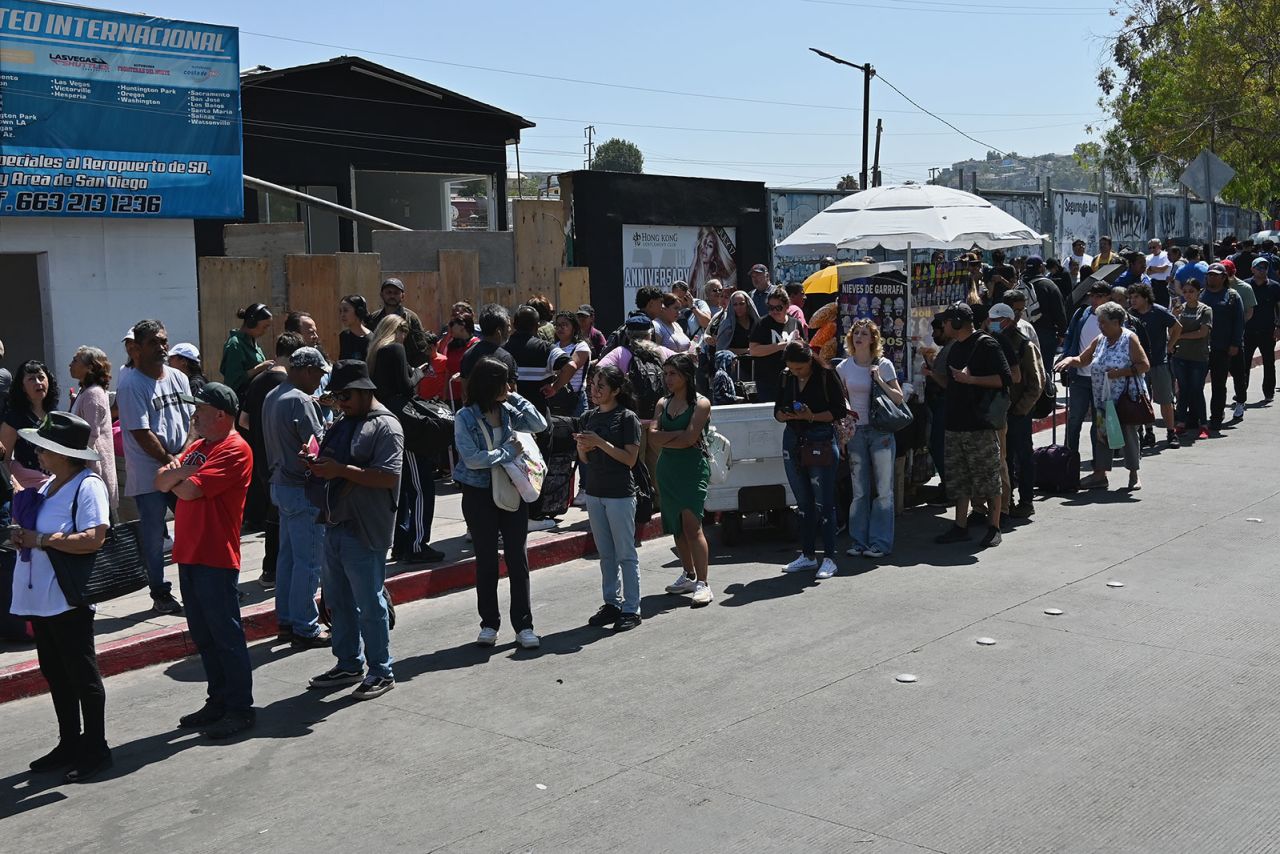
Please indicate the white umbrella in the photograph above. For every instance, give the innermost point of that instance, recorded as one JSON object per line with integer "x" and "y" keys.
{"x": 920, "y": 216}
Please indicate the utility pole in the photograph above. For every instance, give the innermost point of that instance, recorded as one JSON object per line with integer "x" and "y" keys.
{"x": 590, "y": 148}
{"x": 867, "y": 73}
{"x": 875, "y": 167}
{"x": 1212, "y": 242}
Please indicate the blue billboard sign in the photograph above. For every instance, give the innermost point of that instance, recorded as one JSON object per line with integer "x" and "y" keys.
{"x": 109, "y": 114}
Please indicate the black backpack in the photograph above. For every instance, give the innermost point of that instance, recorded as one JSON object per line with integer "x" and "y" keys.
{"x": 647, "y": 383}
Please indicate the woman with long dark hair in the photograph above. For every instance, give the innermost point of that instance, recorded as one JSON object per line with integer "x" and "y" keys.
{"x": 353, "y": 340}
{"x": 454, "y": 346}
{"x": 484, "y": 432}
{"x": 608, "y": 448}
{"x": 565, "y": 396}
{"x": 683, "y": 473}
{"x": 33, "y": 395}
{"x": 242, "y": 358}
{"x": 809, "y": 403}
{"x": 91, "y": 368}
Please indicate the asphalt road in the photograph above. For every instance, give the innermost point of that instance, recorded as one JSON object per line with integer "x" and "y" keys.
{"x": 1142, "y": 718}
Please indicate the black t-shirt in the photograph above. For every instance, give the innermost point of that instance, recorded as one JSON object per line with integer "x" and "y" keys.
{"x": 484, "y": 348}
{"x": 23, "y": 451}
{"x": 534, "y": 367}
{"x": 741, "y": 337}
{"x": 768, "y": 369}
{"x": 967, "y": 403}
{"x": 602, "y": 475}
{"x": 822, "y": 393}
{"x": 259, "y": 387}
{"x": 391, "y": 373}
{"x": 353, "y": 346}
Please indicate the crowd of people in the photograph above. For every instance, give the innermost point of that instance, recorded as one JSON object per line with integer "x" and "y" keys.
{"x": 326, "y": 458}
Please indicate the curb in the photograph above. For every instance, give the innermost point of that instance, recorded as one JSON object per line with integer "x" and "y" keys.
{"x": 173, "y": 642}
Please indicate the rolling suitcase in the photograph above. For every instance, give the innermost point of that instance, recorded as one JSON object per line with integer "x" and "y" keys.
{"x": 1057, "y": 466}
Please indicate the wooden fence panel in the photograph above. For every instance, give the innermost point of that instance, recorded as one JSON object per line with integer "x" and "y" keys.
{"x": 421, "y": 295}
{"x": 574, "y": 288}
{"x": 227, "y": 285}
{"x": 459, "y": 280}
{"x": 313, "y": 287}
{"x": 360, "y": 273}
{"x": 539, "y": 246}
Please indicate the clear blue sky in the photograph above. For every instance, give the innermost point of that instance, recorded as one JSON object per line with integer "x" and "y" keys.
{"x": 1018, "y": 75}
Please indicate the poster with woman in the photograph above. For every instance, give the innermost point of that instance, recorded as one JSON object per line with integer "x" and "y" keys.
{"x": 659, "y": 255}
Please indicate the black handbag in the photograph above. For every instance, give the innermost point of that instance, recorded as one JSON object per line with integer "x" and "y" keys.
{"x": 427, "y": 424}
{"x": 887, "y": 416}
{"x": 815, "y": 453}
{"x": 112, "y": 571}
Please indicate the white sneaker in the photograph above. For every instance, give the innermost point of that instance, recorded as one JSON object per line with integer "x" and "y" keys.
{"x": 1239, "y": 411}
{"x": 800, "y": 564}
{"x": 701, "y": 595}
{"x": 828, "y": 568}
{"x": 854, "y": 552}
{"x": 874, "y": 553}
{"x": 682, "y": 584}
{"x": 528, "y": 639}
{"x": 488, "y": 637}
{"x": 541, "y": 525}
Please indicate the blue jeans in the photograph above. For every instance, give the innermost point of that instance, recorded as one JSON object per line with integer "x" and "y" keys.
{"x": 1190, "y": 376}
{"x": 871, "y": 458}
{"x": 298, "y": 562}
{"x": 417, "y": 507}
{"x": 613, "y": 525}
{"x": 815, "y": 490}
{"x": 212, "y": 603}
{"x": 353, "y": 577}
{"x": 152, "y": 507}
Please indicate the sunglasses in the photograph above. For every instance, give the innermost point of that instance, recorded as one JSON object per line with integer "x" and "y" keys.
{"x": 773, "y": 306}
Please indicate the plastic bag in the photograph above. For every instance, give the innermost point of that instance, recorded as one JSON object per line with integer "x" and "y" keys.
{"x": 720, "y": 454}
{"x": 528, "y": 470}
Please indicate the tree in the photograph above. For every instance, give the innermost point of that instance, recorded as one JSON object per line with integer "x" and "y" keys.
{"x": 1189, "y": 75}
{"x": 848, "y": 182}
{"x": 618, "y": 155}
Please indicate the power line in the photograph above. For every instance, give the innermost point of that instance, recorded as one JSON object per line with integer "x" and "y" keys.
{"x": 1041, "y": 12}
{"x": 936, "y": 116}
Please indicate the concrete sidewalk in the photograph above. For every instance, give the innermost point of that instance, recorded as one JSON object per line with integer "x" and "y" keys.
{"x": 1139, "y": 720}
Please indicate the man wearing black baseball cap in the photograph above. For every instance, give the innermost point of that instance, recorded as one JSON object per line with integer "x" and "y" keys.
{"x": 1044, "y": 308}
{"x": 761, "y": 285}
{"x": 978, "y": 380}
{"x": 211, "y": 483}
{"x": 594, "y": 337}
{"x": 416, "y": 347}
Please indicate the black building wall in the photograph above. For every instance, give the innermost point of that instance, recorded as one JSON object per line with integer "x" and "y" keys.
{"x": 602, "y": 202}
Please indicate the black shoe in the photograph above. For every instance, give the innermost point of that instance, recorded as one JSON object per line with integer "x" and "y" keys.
{"x": 319, "y": 641}
{"x": 90, "y": 765}
{"x": 606, "y": 616}
{"x": 232, "y": 723}
{"x": 427, "y": 555}
{"x": 242, "y": 597}
{"x": 627, "y": 622}
{"x": 267, "y": 581}
{"x": 336, "y": 678}
{"x": 208, "y": 714}
{"x": 62, "y": 756}
{"x": 977, "y": 517}
{"x": 992, "y": 538}
{"x": 1149, "y": 439}
{"x": 164, "y": 603}
{"x": 1172, "y": 438}
{"x": 374, "y": 686}
{"x": 1022, "y": 510}
{"x": 955, "y": 534}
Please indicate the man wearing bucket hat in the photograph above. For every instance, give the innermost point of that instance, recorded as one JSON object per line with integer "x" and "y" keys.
{"x": 44, "y": 523}
{"x": 359, "y": 464}
{"x": 210, "y": 482}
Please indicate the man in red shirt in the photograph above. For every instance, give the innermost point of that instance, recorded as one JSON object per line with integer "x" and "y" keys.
{"x": 211, "y": 482}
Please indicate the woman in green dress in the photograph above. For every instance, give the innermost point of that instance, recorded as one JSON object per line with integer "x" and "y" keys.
{"x": 683, "y": 472}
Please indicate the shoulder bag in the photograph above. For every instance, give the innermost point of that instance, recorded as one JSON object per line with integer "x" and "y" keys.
{"x": 886, "y": 416}
{"x": 505, "y": 496}
{"x": 114, "y": 570}
{"x": 427, "y": 424}
{"x": 1136, "y": 409}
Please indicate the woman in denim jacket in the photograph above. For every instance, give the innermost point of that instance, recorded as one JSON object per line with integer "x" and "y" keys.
{"x": 484, "y": 433}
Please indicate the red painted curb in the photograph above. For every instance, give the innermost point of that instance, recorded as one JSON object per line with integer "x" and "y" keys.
{"x": 172, "y": 643}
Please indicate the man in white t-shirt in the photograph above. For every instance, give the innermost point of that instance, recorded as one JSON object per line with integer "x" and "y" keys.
{"x": 1159, "y": 268}
{"x": 155, "y": 424}
{"x": 1078, "y": 254}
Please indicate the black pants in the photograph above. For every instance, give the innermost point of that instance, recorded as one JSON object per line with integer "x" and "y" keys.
{"x": 1265, "y": 344}
{"x": 259, "y": 512}
{"x": 64, "y": 646}
{"x": 1240, "y": 376}
{"x": 1219, "y": 370}
{"x": 1021, "y": 457}
{"x": 486, "y": 521}
{"x": 417, "y": 504}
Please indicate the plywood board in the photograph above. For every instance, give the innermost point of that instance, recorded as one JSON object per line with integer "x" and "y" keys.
{"x": 227, "y": 285}
{"x": 503, "y": 295}
{"x": 313, "y": 287}
{"x": 538, "y": 226}
{"x": 359, "y": 273}
{"x": 574, "y": 288}
{"x": 421, "y": 295}
{"x": 459, "y": 279}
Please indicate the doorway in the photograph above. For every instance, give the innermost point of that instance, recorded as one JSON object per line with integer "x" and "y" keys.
{"x": 23, "y": 339}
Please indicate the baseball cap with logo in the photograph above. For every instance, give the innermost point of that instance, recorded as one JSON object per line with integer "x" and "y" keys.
{"x": 1001, "y": 310}
{"x": 759, "y": 268}
{"x": 586, "y": 310}
{"x": 1217, "y": 268}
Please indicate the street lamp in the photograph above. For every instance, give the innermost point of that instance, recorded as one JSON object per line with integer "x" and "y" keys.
{"x": 867, "y": 73}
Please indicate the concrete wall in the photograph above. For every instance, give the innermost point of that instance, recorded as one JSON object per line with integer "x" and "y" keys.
{"x": 417, "y": 250}
{"x": 100, "y": 276}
